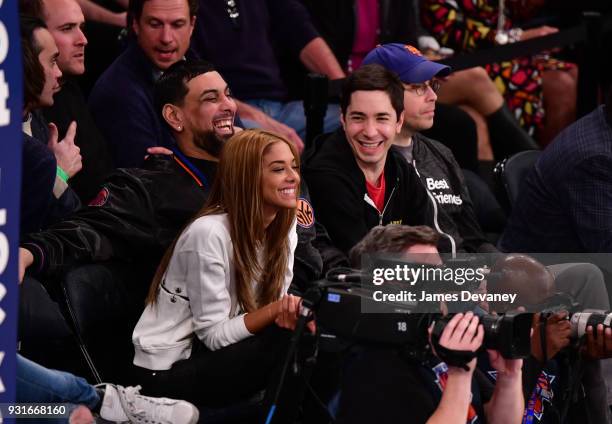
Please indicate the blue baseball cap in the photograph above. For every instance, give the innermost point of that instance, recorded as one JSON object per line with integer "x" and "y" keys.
{"x": 407, "y": 62}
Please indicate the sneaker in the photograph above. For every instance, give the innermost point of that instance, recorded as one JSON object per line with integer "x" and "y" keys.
{"x": 126, "y": 404}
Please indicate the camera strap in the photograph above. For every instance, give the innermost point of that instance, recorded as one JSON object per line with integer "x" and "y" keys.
{"x": 455, "y": 358}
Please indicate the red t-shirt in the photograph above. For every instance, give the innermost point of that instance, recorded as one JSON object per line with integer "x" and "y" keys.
{"x": 377, "y": 192}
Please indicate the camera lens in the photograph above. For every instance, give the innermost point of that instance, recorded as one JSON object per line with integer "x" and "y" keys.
{"x": 581, "y": 320}
{"x": 510, "y": 334}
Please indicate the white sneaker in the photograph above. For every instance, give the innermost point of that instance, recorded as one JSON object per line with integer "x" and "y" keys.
{"x": 126, "y": 404}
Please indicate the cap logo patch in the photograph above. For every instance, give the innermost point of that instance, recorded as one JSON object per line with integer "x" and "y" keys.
{"x": 413, "y": 50}
{"x": 101, "y": 198}
{"x": 304, "y": 213}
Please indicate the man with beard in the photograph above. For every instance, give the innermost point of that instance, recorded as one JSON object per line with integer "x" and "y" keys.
{"x": 138, "y": 212}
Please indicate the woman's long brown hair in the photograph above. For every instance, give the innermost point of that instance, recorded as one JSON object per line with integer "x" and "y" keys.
{"x": 237, "y": 191}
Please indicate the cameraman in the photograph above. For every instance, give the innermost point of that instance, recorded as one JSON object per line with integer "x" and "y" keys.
{"x": 546, "y": 378}
{"x": 382, "y": 385}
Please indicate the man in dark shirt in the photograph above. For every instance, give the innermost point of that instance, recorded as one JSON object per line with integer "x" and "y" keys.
{"x": 387, "y": 384}
{"x": 121, "y": 102}
{"x": 47, "y": 164}
{"x": 255, "y": 32}
{"x": 65, "y": 22}
{"x": 357, "y": 181}
{"x": 434, "y": 163}
{"x": 565, "y": 203}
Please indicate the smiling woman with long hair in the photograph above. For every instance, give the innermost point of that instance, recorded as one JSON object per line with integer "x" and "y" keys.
{"x": 225, "y": 279}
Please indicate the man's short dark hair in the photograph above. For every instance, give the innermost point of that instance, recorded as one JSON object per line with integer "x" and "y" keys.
{"x": 172, "y": 85}
{"x": 33, "y": 72}
{"x": 392, "y": 238}
{"x": 135, "y": 9}
{"x": 374, "y": 78}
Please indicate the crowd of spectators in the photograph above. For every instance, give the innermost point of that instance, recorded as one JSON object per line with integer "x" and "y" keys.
{"x": 184, "y": 161}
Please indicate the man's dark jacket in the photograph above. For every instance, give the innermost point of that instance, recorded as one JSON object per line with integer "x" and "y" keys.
{"x": 39, "y": 206}
{"x": 565, "y": 202}
{"x": 69, "y": 105}
{"x": 139, "y": 212}
{"x": 453, "y": 209}
{"x": 124, "y": 110}
{"x": 338, "y": 191}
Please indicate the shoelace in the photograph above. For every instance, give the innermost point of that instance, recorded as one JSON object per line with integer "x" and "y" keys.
{"x": 135, "y": 409}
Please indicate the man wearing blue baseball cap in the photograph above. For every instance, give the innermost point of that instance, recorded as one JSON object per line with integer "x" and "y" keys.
{"x": 507, "y": 136}
{"x": 446, "y": 184}
{"x": 434, "y": 162}
{"x": 407, "y": 62}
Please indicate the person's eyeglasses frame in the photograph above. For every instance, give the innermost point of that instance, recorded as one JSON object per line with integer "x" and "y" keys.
{"x": 421, "y": 88}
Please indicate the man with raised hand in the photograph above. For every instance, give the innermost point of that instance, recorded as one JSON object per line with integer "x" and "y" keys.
{"x": 64, "y": 20}
{"x": 47, "y": 163}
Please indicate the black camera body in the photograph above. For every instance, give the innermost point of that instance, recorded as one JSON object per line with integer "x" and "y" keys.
{"x": 339, "y": 313}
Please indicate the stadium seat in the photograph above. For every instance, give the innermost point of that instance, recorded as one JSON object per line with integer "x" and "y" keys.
{"x": 512, "y": 171}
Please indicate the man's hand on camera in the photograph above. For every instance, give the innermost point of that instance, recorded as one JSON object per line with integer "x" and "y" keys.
{"x": 598, "y": 344}
{"x": 506, "y": 368}
{"x": 463, "y": 332}
{"x": 558, "y": 331}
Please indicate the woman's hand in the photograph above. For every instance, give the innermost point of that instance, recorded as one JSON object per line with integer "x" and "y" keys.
{"x": 288, "y": 311}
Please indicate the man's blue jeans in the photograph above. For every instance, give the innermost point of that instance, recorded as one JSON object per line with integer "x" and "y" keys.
{"x": 292, "y": 115}
{"x": 37, "y": 384}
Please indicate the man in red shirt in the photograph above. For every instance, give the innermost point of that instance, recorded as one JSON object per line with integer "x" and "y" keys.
{"x": 356, "y": 181}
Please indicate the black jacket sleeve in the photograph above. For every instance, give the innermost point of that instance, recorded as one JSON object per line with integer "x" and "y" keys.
{"x": 315, "y": 254}
{"x": 119, "y": 223}
{"x": 331, "y": 255}
{"x": 339, "y": 206}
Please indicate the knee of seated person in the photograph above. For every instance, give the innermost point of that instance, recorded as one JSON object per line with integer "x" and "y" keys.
{"x": 562, "y": 81}
{"x": 480, "y": 77}
{"x": 587, "y": 283}
{"x": 594, "y": 277}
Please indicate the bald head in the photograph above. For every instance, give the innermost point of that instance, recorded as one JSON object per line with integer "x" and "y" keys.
{"x": 65, "y": 21}
{"x": 532, "y": 282}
